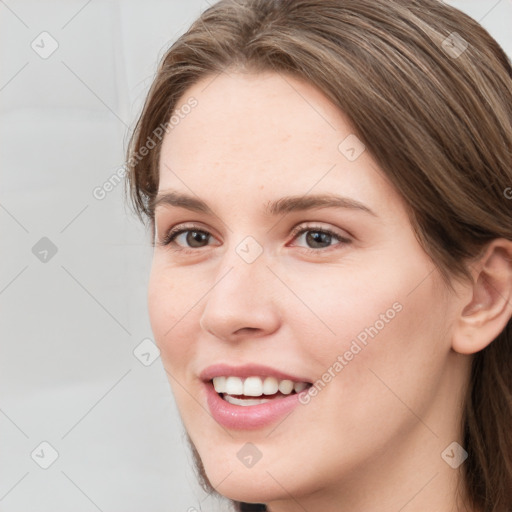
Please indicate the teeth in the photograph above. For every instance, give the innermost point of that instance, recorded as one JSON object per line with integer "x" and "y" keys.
{"x": 299, "y": 386}
{"x": 234, "y": 386}
{"x": 270, "y": 386}
{"x": 286, "y": 387}
{"x": 219, "y": 383}
{"x": 245, "y": 401}
{"x": 255, "y": 386}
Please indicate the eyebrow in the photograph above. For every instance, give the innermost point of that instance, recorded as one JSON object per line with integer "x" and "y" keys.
{"x": 278, "y": 207}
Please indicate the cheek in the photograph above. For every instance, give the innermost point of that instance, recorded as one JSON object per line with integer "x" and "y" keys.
{"x": 359, "y": 300}
{"x": 170, "y": 303}
{"x": 393, "y": 344}
{"x": 382, "y": 317}
{"x": 160, "y": 303}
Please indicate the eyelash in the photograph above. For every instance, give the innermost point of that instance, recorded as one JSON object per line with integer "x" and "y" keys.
{"x": 169, "y": 238}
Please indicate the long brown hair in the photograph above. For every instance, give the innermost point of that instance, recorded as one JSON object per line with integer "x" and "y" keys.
{"x": 429, "y": 92}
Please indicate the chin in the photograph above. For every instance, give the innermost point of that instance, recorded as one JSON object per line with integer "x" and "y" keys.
{"x": 232, "y": 479}
{"x": 250, "y": 489}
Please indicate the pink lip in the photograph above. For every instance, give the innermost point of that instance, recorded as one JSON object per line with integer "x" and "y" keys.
{"x": 247, "y": 370}
{"x": 248, "y": 417}
{"x": 253, "y": 416}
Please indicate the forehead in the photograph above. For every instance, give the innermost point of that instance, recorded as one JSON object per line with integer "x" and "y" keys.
{"x": 258, "y": 132}
{"x": 254, "y": 117}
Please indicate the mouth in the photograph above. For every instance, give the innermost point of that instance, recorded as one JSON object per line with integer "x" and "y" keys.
{"x": 255, "y": 390}
{"x": 251, "y": 396}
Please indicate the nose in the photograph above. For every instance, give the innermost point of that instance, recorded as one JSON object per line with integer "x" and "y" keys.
{"x": 241, "y": 302}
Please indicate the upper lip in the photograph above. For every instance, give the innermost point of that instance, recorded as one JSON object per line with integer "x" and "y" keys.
{"x": 247, "y": 370}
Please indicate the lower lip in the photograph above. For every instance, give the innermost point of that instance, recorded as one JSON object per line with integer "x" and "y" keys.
{"x": 245, "y": 417}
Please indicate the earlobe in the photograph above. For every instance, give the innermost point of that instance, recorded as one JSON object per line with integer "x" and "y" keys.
{"x": 485, "y": 316}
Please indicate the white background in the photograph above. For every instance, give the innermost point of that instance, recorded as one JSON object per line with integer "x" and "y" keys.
{"x": 69, "y": 326}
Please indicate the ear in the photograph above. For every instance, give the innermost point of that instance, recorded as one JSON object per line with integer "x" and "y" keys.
{"x": 485, "y": 316}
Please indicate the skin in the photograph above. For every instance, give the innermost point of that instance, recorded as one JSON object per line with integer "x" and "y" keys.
{"x": 372, "y": 438}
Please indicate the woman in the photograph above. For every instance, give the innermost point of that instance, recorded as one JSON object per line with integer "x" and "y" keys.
{"x": 328, "y": 188}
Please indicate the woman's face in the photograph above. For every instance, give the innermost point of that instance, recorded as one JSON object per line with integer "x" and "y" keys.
{"x": 270, "y": 282}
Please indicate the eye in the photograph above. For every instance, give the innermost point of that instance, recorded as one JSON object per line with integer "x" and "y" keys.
{"x": 317, "y": 237}
{"x": 190, "y": 238}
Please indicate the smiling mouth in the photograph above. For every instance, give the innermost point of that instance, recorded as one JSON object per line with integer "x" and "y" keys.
{"x": 255, "y": 390}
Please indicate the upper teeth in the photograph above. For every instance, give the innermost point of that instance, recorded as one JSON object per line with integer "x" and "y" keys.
{"x": 256, "y": 386}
